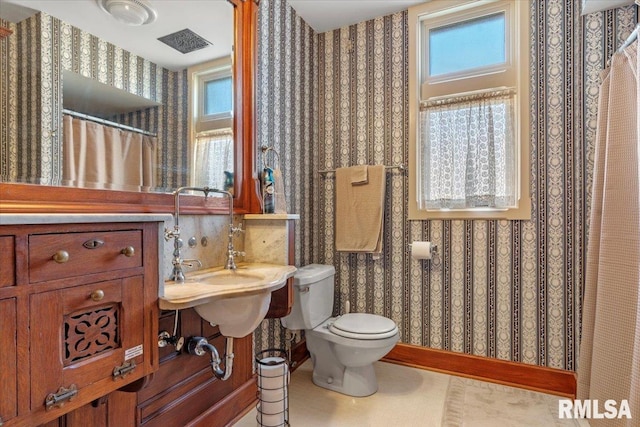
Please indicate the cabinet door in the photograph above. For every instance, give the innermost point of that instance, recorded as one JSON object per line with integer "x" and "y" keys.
{"x": 8, "y": 359}
{"x": 80, "y": 334}
{"x": 7, "y": 262}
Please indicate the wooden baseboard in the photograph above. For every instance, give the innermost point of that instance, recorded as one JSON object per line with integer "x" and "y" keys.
{"x": 531, "y": 377}
{"x": 230, "y": 409}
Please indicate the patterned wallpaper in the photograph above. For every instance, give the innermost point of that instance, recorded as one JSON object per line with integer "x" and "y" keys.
{"x": 504, "y": 289}
{"x": 31, "y": 98}
{"x": 286, "y": 117}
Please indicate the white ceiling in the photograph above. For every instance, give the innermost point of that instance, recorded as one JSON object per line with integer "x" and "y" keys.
{"x": 210, "y": 19}
{"x": 326, "y": 15}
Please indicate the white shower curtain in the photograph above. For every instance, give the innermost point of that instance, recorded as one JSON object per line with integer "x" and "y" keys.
{"x": 609, "y": 360}
{"x": 99, "y": 156}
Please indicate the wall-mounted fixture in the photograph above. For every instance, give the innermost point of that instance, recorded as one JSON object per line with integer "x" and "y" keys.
{"x": 130, "y": 12}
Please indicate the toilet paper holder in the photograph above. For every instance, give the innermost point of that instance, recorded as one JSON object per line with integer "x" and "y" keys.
{"x": 434, "y": 254}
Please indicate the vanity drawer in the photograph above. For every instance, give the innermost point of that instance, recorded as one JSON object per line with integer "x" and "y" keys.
{"x": 58, "y": 256}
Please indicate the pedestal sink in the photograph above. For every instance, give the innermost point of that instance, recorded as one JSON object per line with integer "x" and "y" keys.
{"x": 235, "y": 300}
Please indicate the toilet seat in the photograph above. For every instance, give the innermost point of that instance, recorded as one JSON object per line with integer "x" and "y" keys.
{"x": 364, "y": 326}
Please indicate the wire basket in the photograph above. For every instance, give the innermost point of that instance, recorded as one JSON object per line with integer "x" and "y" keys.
{"x": 272, "y": 367}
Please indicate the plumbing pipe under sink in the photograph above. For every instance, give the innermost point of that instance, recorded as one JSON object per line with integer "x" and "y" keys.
{"x": 199, "y": 346}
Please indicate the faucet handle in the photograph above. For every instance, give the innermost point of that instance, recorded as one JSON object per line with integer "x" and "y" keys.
{"x": 171, "y": 234}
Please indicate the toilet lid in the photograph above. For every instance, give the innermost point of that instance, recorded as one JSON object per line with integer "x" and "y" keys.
{"x": 364, "y": 326}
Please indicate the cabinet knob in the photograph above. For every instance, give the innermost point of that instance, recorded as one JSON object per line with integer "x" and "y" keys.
{"x": 61, "y": 257}
{"x": 128, "y": 251}
{"x": 97, "y": 295}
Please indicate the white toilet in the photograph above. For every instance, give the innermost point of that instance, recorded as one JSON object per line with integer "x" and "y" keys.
{"x": 344, "y": 348}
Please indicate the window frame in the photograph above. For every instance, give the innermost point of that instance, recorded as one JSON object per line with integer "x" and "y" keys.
{"x": 198, "y": 77}
{"x": 199, "y": 123}
{"x": 513, "y": 73}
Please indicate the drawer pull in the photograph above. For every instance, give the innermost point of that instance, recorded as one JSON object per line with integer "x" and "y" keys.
{"x": 93, "y": 243}
{"x": 129, "y": 251}
{"x": 61, "y": 257}
{"x": 58, "y": 399}
{"x": 97, "y": 295}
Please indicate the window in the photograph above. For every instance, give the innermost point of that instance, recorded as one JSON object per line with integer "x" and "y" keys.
{"x": 217, "y": 97}
{"x": 211, "y": 124}
{"x": 469, "y": 100}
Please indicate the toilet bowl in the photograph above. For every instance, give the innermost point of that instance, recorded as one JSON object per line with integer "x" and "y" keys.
{"x": 343, "y": 348}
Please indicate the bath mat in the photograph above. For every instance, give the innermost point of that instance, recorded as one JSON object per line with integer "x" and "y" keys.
{"x": 471, "y": 403}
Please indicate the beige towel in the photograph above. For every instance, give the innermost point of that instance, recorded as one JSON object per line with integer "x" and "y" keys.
{"x": 360, "y": 210}
{"x": 359, "y": 174}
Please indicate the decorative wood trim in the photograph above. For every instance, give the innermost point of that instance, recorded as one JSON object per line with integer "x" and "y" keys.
{"x": 530, "y": 377}
{"x": 230, "y": 409}
{"x": 246, "y": 194}
{"x": 29, "y": 198}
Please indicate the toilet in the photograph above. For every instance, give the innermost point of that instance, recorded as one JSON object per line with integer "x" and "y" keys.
{"x": 344, "y": 348}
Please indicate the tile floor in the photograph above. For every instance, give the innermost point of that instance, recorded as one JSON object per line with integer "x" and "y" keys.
{"x": 409, "y": 397}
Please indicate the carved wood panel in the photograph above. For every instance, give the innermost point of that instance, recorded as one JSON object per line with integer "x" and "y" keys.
{"x": 90, "y": 333}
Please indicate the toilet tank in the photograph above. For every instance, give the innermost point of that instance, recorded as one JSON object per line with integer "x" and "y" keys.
{"x": 312, "y": 297}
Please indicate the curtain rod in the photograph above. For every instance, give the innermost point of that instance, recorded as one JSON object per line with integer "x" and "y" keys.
{"x": 107, "y": 122}
{"x": 401, "y": 167}
{"x": 632, "y": 37}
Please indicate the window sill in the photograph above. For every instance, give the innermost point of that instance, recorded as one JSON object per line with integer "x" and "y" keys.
{"x": 522, "y": 212}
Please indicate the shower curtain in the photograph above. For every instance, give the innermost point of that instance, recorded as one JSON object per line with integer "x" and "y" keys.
{"x": 609, "y": 360}
{"x": 99, "y": 156}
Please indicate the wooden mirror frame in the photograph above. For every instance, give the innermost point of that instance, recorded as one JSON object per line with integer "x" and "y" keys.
{"x": 30, "y": 198}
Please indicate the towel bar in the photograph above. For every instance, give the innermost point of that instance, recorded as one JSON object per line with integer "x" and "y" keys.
{"x": 402, "y": 168}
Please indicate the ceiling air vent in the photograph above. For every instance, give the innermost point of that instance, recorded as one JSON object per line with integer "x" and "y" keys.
{"x": 184, "y": 41}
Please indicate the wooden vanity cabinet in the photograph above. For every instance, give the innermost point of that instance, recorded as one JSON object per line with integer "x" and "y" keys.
{"x": 78, "y": 315}
{"x": 8, "y": 360}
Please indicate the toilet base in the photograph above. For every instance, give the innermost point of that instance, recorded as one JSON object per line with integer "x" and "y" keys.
{"x": 358, "y": 382}
{"x": 329, "y": 372}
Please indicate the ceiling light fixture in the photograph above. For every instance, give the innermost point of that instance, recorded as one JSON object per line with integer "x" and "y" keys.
{"x": 130, "y": 12}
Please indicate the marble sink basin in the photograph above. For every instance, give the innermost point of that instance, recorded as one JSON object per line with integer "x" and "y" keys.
{"x": 235, "y": 300}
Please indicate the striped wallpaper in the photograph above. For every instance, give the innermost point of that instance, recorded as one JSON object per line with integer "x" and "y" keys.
{"x": 504, "y": 289}
{"x": 286, "y": 117}
{"x": 31, "y": 98}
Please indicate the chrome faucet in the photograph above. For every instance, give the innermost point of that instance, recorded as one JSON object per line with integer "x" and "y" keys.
{"x": 231, "y": 252}
{"x": 177, "y": 275}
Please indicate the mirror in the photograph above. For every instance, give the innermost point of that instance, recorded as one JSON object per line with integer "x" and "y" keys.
{"x": 69, "y": 56}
